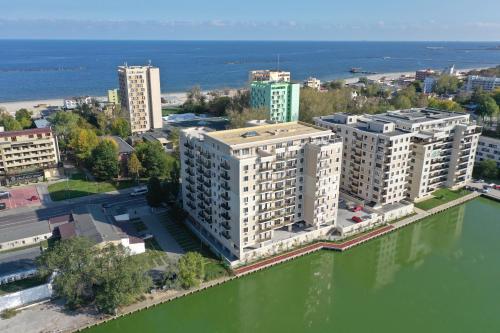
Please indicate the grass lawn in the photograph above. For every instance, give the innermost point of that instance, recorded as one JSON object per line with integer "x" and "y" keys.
{"x": 155, "y": 256}
{"x": 22, "y": 284}
{"x": 170, "y": 110}
{"x": 190, "y": 243}
{"x": 441, "y": 196}
{"x": 78, "y": 186}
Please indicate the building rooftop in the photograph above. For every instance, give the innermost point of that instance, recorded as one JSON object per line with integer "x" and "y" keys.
{"x": 419, "y": 115}
{"x": 123, "y": 146}
{"x": 42, "y": 123}
{"x": 92, "y": 223}
{"x": 265, "y": 132}
{"x": 25, "y": 132}
{"x": 16, "y": 232}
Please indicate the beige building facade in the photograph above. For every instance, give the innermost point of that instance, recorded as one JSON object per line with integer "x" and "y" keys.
{"x": 140, "y": 97}
{"x": 404, "y": 154}
{"x": 28, "y": 155}
{"x": 246, "y": 189}
{"x": 269, "y": 75}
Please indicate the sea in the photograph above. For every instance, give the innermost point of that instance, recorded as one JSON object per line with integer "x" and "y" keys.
{"x": 45, "y": 69}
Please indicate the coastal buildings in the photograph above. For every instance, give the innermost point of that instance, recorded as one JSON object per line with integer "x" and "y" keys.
{"x": 484, "y": 82}
{"x": 249, "y": 189}
{"x": 140, "y": 98}
{"x": 404, "y": 154}
{"x": 488, "y": 149}
{"x": 269, "y": 75}
{"x": 113, "y": 96}
{"x": 313, "y": 83}
{"x": 422, "y": 74}
{"x": 31, "y": 154}
{"x": 73, "y": 103}
{"x": 280, "y": 98}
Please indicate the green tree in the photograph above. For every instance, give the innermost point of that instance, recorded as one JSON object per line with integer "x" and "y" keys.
{"x": 496, "y": 95}
{"x": 64, "y": 125}
{"x": 488, "y": 169}
{"x": 154, "y": 196}
{"x": 104, "y": 160}
{"x": 120, "y": 127}
{"x": 487, "y": 107}
{"x": 153, "y": 158}
{"x": 191, "y": 269}
{"x": 23, "y": 116}
{"x": 401, "y": 102}
{"x": 134, "y": 166}
{"x": 9, "y": 123}
{"x": 83, "y": 141}
{"x": 76, "y": 273}
{"x": 447, "y": 84}
{"x": 447, "y": 105}
{"x": 106, "y": 275}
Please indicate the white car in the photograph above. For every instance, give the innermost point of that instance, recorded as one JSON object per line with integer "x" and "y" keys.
{"x": 139, "y": 191}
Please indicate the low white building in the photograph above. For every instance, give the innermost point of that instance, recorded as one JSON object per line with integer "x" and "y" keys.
{"x": 313, "y": 83}
{"x": 488, "y": 149}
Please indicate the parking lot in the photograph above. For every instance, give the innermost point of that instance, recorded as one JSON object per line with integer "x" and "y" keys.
{"x": 20, "y": 197}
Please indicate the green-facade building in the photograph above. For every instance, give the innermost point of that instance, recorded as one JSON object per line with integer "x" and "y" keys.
{"x": 280, "y": 98}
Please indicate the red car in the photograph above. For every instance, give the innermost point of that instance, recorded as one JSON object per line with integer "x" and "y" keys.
{"x": 496, "y": 187}
{"x": 357, "y": 208}
{"x": 357, "y": 219}
{"x": 34, "y": 198}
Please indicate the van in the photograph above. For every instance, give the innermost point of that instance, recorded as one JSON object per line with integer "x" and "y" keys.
{"x": 139, "y": 191}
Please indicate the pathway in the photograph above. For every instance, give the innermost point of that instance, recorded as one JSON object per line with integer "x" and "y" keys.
{"x": 164, "y": 239}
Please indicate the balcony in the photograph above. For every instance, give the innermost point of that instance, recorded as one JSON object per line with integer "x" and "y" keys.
{"x": 188, "y": 145}
{"x": 189, "y": 172}
{"x": 190, "y": 163}
{"x": 225, "y": 234}
{"x": 226, "y": 225}
{"x": 190, "y": 188}
{"x": 225, "y": 186}
{"x": 225, "y": 206}
{"x": 225, "y": 166}
{"x": 225, "y": 216}
{"x": 225, "y": 176}
{"x": 190, "y": 196}
{"x": 190, "y": 180}
{"x": 189, "y": 154}
{"x": 225, "y": 196}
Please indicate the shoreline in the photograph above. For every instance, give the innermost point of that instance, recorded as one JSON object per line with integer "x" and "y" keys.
{"x": 177, "y": 98}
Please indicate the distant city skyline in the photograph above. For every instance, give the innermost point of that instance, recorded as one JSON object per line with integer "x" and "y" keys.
{"x": 384, "y": 20}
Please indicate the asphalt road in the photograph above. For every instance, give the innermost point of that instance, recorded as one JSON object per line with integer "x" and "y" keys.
{"x": 43, "y": 213}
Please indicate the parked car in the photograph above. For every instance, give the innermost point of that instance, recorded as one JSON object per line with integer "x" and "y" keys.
{"x": 4, "y": 195}
{"x": 484, "y": 190}
{"x": 496, "y": 187}
{"x": 3, "y": 206}
{"x": 139, "y": 191}
{"x": 357, "y": 219}
{"x": 357, "y": 208}
{"x": 33, "y": 198}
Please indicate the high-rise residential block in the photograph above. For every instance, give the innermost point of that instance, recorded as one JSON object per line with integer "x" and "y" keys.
{"x": 488, "y": 149}
{"x": 140, "y": 97}
{"x": 269, "y": 75}
{"x": 404, "y": 154}
{"x": 28, "y": 155}
{"x": 113, "y": 96}
{"x": 251, "y": 188}
{"x": 280, "y": 98}
{"x": 485, "y": 83}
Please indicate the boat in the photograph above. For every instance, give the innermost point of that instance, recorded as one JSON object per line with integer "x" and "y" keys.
{"x": 355, "y": 70}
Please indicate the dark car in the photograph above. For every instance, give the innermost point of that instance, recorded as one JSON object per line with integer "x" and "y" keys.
{"x": 3, "y": 206}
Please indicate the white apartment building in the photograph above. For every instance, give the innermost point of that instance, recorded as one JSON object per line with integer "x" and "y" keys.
{"x": 484, "y": 82}
{"x": 313, "y": 83}
{"x": 250, "y": 188}
{"x": 269, "y": 75}
{"x": 28, "y": 155}
{"x": 404, "y": 154}
{"x": 488, "y": 149}
{"x": 140, "y": 96}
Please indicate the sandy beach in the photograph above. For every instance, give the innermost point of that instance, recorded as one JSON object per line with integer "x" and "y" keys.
{"x": 177, "y": 98}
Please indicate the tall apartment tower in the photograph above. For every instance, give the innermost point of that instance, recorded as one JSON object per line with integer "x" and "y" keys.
{"x": 404, "y": 154}
{"x": 248, "y": 188}
{"x": 280, "y": 98}
{"x": 140, "y": 96}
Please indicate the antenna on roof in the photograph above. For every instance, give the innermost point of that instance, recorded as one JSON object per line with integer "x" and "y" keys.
{"x": 125, "y": 63}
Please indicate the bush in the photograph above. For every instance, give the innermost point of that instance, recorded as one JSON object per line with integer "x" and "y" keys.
{"x": 9, "y": 313}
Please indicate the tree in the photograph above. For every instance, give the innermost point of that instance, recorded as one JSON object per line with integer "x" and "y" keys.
{"x": 120, "y": 127}
{"x": 83, "y": 141}
{"x": 191, "y": 269}
{"x": 23, "y": 116}
{"x": 446, "y": 104}
{"x": 239, "y": 119}
{"x": 107, "y": 275}
{"x": 488, "y": 169}
{"x": 153, "y": 158}
{"x": 154, "y": 196}
{"x": 9, "y": 123}
{"x": 134, "y": 166}
{"x": 401, "y": 102}
{"x": 487, "y": 107}
{"x": 104, "y": 160}
{"x": 496, "y": 96}
{"x": 447, "y": 84}
{"x": 64, "y": 125}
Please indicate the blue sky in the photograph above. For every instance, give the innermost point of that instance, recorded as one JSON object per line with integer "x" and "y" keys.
{"x": 252, "y": 20}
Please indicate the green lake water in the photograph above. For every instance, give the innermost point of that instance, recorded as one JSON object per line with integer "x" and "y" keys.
{"x": 439, "y": 275}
